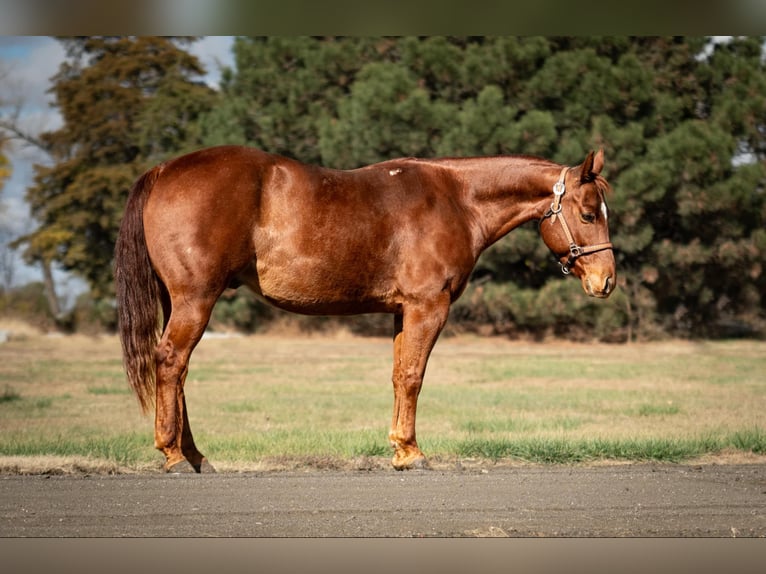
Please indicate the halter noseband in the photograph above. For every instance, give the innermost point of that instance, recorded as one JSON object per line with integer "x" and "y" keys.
{"x": 554, "y": 212}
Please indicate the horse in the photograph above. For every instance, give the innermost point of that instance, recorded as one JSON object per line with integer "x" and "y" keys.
{"x": 400, "y": 237}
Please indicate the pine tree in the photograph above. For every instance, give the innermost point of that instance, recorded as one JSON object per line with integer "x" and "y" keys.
{"x": 691, "y": 203}
{"x": 283, "y": 87}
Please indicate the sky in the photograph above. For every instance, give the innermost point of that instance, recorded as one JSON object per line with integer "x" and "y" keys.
{"x": 26, "y": 65}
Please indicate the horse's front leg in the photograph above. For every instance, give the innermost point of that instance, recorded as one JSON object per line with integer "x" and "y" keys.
{"x": 415, "y": 333}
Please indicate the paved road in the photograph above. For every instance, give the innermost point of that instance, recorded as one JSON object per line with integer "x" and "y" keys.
{"x": 636, "y": 500}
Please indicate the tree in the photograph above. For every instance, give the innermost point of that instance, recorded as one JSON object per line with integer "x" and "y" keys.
{"x": 6, "y": 254}
{"x": 283, "y": 87}
{"x": 387, "y": 114}
{"x": 691, "y": 216}
{"x": 5, "y": 165}
{"x": 127, "y": 103}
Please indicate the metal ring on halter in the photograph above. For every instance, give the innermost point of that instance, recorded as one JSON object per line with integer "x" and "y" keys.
{"x": 566, "y": 267}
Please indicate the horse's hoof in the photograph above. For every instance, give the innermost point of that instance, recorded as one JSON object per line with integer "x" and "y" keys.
{"x": 416, "y": 463}
{"x": 181, "y": 467}
{"x": 205, "y": 467}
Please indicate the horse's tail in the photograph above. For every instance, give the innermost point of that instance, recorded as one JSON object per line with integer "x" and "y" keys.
{"x": 138, "y": 294}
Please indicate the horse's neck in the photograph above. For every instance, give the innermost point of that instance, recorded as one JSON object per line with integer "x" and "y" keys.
{"x": 505, "y": 192}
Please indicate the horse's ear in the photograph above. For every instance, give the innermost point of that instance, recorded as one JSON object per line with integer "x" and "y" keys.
{"x": 592, "y": 166}
{"x": 598, "y": 162}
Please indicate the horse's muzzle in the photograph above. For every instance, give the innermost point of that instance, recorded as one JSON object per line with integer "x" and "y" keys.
{"x": 597, "y": 285}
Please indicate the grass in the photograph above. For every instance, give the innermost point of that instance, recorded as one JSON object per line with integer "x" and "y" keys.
{"x": 563, "y": 450}
{"x": 9, "y": 395}
{"x": 649, "y": 410}
{"x": 124, "y": 449}
{"x": 256, "y": 400}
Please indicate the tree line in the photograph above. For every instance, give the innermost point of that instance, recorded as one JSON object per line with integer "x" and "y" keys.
{"x": 682, "y": 121}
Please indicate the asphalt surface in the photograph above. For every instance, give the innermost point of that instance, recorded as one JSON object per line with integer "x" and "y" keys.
{"x": 616, "y": 501}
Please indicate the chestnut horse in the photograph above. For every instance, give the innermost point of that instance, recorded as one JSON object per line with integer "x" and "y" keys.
{"x": 399, "y": 237}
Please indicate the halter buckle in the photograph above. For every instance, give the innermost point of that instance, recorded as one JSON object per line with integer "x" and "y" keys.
{"x": 575, "y": 250}
{"x": 558, "y": 190}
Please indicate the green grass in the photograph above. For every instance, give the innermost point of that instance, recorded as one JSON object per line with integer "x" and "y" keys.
{"x": 24, "y": 405}
{"x": 9, "y": 395}
{"x": 750, "y": 440}
{"x": 124, "y": 449}
{"x": 649, "y": 410}
{"x": 109, "y": 390}
{"x": 565, "y": 451}
{"x": 299, "y": 443}
{"x": 262, "y": 398}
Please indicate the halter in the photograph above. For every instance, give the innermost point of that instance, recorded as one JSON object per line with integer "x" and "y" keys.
{"x": 554, "y": 212}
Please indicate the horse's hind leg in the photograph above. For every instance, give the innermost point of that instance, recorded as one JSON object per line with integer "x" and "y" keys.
{"x": 172, "y": 433}
{"x": 198, "y": 461}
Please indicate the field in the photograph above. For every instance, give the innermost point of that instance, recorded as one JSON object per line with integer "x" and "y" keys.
{"x": 267, "y": 402}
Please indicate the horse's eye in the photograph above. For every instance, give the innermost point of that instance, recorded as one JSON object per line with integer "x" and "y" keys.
{"x": 588, "y": 217}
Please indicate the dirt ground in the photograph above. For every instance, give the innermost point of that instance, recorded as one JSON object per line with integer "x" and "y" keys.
{"x": 646, "y": 500}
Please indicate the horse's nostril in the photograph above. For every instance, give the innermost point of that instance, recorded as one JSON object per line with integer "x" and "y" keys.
{"x": 608, "y": 285}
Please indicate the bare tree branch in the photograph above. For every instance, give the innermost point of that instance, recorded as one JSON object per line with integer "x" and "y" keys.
{"x": 11, "y": 111}
{"x": 17, "y": 133}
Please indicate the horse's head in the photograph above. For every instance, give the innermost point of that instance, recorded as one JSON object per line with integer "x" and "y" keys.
{"x": 575, "y": 227}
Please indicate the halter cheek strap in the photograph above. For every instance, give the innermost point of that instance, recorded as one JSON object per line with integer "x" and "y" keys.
{"x": 554, "y": 212}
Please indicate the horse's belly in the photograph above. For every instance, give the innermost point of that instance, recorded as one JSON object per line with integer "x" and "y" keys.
{"x": 321, "y": 288}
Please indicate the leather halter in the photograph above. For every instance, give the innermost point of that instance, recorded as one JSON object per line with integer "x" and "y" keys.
{"x": 554, "y": 212}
